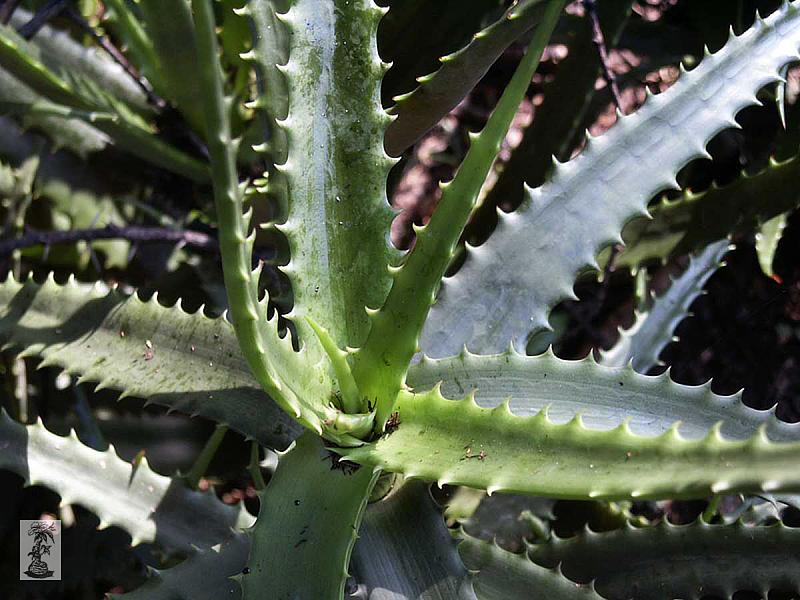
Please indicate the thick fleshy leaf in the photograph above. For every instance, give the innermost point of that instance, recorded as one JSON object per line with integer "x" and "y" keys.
{"x": 91, "y": 100}
{"x": 74, "y": 134}
{"x": 458, "y": 442}
{"x": 187, "y": 362}
{"x": 686, "y": 561}
{"x": 604, "y": 397}
{"x": 559, "y": 121}
{"x": 300, "y": 384}
{"x": 60, "y": 51}
{"x": 310, "y": 515}
{"x": 149, "y": 506}
{"x": 501, "y": 575}
{"x": 653, "y": 330}
{"x": 694, "y": 220}
{"x": 507, "y": 286}
{"x": 405, "y": 551}
{"x": 205, "y": 575}
{"x": 335, "y": 169}
{"x": 381, "y": 364}
{"x": 171, "y": 31}
{"x": 440, "y": 92}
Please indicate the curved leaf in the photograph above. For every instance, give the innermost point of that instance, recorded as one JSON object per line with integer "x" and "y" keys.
{"x": 381, "y": 364}
{"x": 310, "y": 515}
{"x": 690, "y": 222}
{"x": 604, "y": 397}
{"x": 405, "y": 551}
{"x": 458, "y": 442}
{"x": 507, "y": 286}
{"x": 688, "y": 561}
{"x": 440, "y": 92}
{"x": 642, "y": 344}
{"x": 192, "y": 363}
{"x": 149, "y": 506}
{"x": 205, "y": 575}
{"x": 501, "y": 575}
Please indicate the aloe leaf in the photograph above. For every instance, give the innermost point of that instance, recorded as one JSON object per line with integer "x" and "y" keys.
{"x": 60, "y": 52}
{"x": 561, "y": 116}
{"x": 415, "y": 34}
{"x": 381, "y": 364}
{"x": 205, "y": 575}
{"x": 335, "y": 169}
{"x": 192, "y": 363}
{"x": 78, "y": 136}
{"x": 405, "y": 551}
{"x": 715, "y": 560}
{"x": 21, "y": 59}
{"x": 605, "y": 397}
{"x": 690, "y": 222}
{"x": 310, "y": 515}
{"x": 299, "y": 384}
{"x": 440, "y": 92}
{"x": 171, "y": 31}
{"x": 767, "y": 239}
{"x": 149, "y": 506}
{"x": 642, "y": 344}
{"x": 461, "y": 443}
{"x": 507, "y": 286}
{"x": 130, "y": 30}
{"x": 502, "y": 575}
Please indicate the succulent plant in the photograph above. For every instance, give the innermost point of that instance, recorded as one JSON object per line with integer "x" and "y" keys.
{"x": 393, "y": 368}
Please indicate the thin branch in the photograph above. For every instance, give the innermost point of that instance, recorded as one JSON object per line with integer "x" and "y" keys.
{"x": 195, "y": 239}
{"x": 590, "y": 6}
{"x": 47, "y": 13}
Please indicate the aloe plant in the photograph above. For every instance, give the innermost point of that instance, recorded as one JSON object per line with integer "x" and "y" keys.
{"x": 385, "y": 374}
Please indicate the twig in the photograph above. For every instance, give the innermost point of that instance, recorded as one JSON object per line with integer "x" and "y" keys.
{"x": 590, "y": 6}
{"x": 195, "y": 239}
{"x": 48, "y": 12}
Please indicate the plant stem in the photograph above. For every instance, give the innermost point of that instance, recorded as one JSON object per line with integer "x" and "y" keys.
{"x": 254, "y": 468}
{"x": 200, "y": 465}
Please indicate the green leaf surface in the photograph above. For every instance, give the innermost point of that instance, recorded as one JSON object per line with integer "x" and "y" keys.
{"x": 126, "y": 24}
{"x": 405, "y": 551}
{"x": 501, "y": 575}
{"x": 440, "y": 92}
{"x": 653, "y": 329}
{"x": 381, "y": 364}
{"x": 194, "y": 365}
{"x": 307, "y": 525}
{"x": 690, "y": 222}
{"x": 560, "y": 119}
{"x": 460, "y": 443}
{"x": 336, "y": 169}
{"x": 604, "y": 396}
{"x": 171, "y": 31}
{"x": 300, "y": 384}
{"x": 767, "y": 239}
{"x": 203, "y": 576}
{"x": 508, "y": 285}
{"x": 64, "y": 86}
{"x": 684, "y": 561}
{"x": 75, "y": 134}
{"x": 149, "y": 506}
{"x": 59, "y": 51}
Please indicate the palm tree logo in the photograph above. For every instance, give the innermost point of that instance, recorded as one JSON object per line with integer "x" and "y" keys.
{"x": 43, "y": 540}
